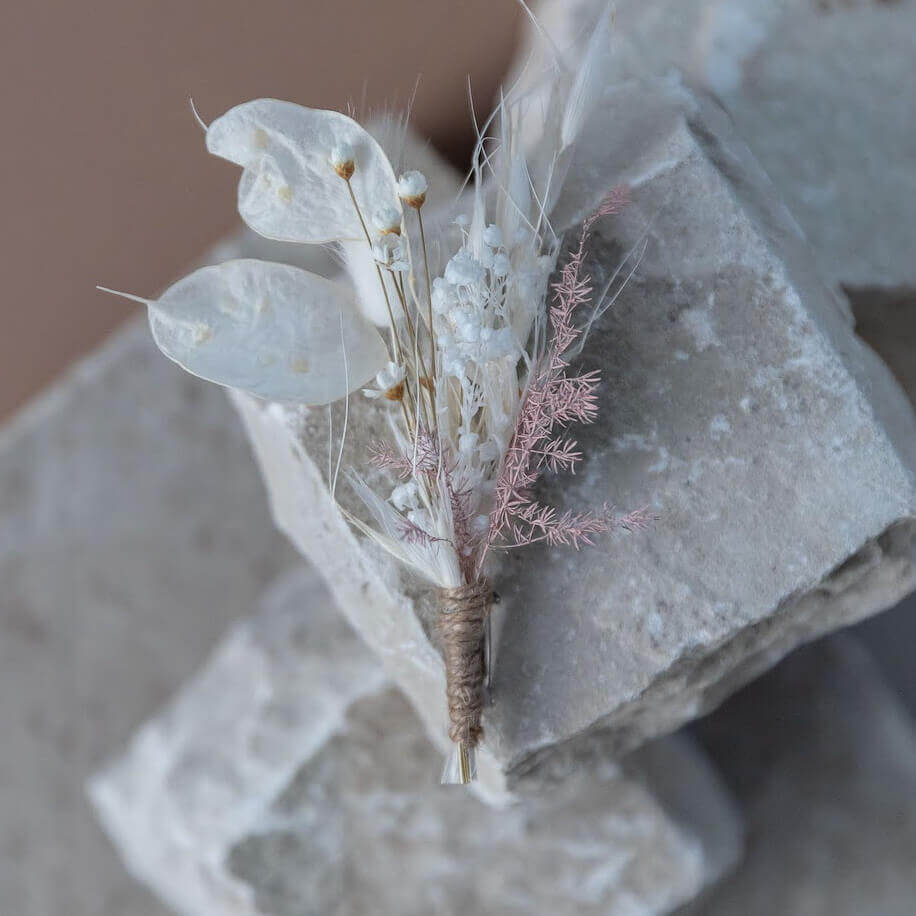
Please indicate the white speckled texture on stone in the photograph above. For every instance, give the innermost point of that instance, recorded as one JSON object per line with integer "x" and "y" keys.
{"x": 737, "y": 404}
{"x": 822, "y": 757}
{"x": 822, "y": 91}
{"x": 290, "y": 778}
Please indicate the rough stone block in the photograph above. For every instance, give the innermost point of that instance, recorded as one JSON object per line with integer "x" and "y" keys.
{"x": 133, "y": 530}
{"x": 822, "y": 757}
{"x": 822, "y": 91}
{"x": 290, "y": 778}
{"x": 737, "y": 404}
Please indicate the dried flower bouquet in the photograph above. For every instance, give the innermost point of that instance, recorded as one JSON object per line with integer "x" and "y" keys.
{"x": 450, "y": 323}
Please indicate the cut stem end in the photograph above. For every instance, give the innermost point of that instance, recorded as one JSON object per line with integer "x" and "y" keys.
{"x": 464, "y": 764}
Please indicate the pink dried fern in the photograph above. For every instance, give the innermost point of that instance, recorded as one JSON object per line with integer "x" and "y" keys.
{"x": 423, "y": 460}
{"x": 554, "y": 400}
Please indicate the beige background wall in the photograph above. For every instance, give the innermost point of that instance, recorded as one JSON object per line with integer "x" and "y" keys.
{"x": 105, "y": 178}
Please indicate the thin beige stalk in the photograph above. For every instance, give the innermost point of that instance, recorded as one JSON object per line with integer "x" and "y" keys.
{"x": 418, "y": 364}
{"x": 429, "y": 299}
{"x": 378, "y": 270}
{"x": 394, "y": 330}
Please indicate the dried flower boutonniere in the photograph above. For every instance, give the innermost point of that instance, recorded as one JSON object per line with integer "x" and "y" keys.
{"x": 451, "y": 325}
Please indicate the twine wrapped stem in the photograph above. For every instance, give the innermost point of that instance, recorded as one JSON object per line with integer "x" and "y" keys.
{"x": 461, "y": 629}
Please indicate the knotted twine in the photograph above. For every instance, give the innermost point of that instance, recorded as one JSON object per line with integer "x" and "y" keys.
{"x": 460, "y": 628}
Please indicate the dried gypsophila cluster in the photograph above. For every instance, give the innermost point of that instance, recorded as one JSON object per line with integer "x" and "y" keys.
{"x": 552, "y": 401}
{"x": 471, "y": 363}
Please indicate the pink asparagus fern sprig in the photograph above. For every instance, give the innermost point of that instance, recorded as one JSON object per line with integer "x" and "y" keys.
{"x": 554, "y": 399}
{"x": 423, "y": 460}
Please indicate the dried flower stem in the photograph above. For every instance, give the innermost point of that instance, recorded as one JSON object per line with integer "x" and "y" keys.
{"x": 410, "y": 418}
{"x": 378, "y": 270}
{"x": 418, "y": 364}
{"x": 429, "y": 299}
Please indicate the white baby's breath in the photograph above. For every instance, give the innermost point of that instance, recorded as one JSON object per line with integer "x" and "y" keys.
{"x": 500, "y": 265}
{"x": 465, "y": 270}
{"x": 390, "y": 251}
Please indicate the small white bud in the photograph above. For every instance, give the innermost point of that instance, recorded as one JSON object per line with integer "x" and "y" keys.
{"x": 500, "y": 265}
{"x": 390, "y": 376}
{"x": 493, "y": 236}
{"x": 389, "y": 381}
{"x": 391, "y": 251}
{"x": 412, "y": 187}
{"x": 389, "y": 384}
{"x": 341, "y": 154}
{"x": 343, "y": 160}
{"x": 464, "y": 270}
{"x": 387, "y": 219}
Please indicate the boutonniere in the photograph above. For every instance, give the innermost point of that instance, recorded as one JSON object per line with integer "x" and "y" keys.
{"x": 453, "y": 326}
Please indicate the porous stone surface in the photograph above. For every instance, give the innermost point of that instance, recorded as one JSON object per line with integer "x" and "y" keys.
{"x": 738, "y": 405}
{"x": 133, "y": 530}
{"x": 290, "y": 777}
{"x": 822, "y": 91}
{"x": 822, "y": 758}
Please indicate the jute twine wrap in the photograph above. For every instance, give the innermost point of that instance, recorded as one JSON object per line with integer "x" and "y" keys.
{"x": 460, "y": 628}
